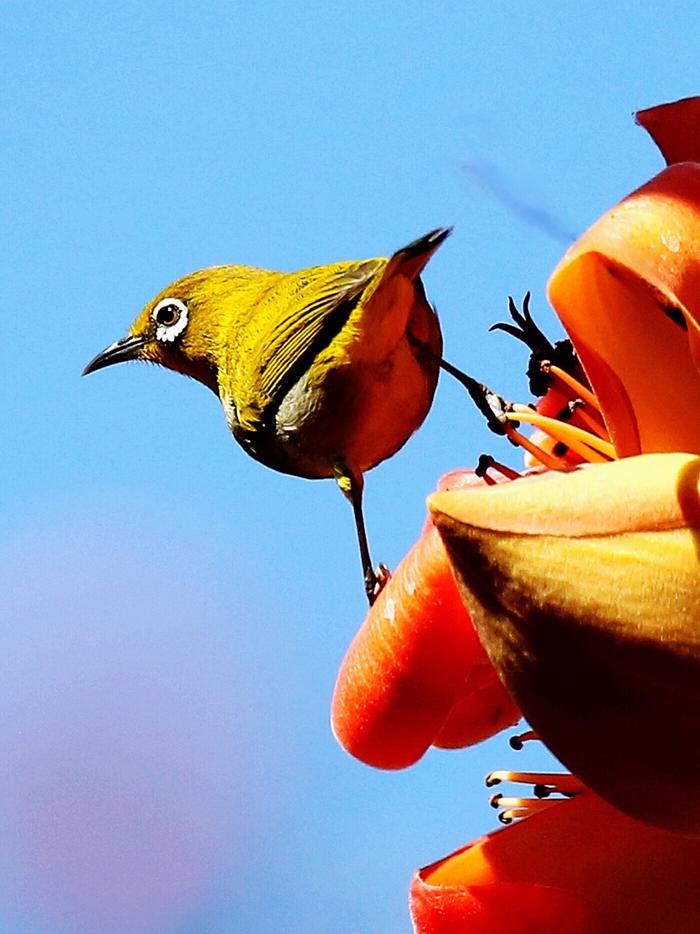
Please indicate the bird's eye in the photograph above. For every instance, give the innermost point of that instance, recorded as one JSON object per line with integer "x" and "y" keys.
{"x": 170, "y": 316}
{"x": 167, "y": 314}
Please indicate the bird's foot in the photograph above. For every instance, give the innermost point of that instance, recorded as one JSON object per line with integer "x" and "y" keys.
{"x": 376, "y": 581}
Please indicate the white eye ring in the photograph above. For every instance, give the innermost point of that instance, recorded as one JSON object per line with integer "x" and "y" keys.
{"x": 177, "y": 320}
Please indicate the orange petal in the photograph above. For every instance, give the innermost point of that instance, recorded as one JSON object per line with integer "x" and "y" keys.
{"x": 675, "y": 128}
{"x": 406, "y": 676}
{"x": 482, "y": 709}
{"x": 579, "y": 867}
{"x": 628, "y": 293}
{"x": 497, "y": 908}
{"x": 406, "y": 665}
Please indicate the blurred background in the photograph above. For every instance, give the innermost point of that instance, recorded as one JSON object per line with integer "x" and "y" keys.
{"x": 172, "y": 614}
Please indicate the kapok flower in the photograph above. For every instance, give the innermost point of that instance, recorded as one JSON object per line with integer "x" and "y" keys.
{"x": 584, "y": 588}
{"x": 416, "y": 674}
{"x": 580, "y": 867}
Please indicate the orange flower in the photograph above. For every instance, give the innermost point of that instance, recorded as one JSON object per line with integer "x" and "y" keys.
{"x": 416, "y": 675}
{"x": 585, "y": 591}
{"x": 579, "y": 867}
{"x": 584, "y": 588}
{"x": 628, "y": 293}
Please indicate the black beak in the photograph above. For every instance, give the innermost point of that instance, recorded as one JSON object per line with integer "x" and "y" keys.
{"x": 126, "y": 349}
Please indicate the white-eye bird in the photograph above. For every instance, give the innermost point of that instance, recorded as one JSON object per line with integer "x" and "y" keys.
{"x": 323, "y": 372}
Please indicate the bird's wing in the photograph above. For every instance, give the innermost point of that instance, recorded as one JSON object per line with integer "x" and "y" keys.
{"x": 309, "y": 311}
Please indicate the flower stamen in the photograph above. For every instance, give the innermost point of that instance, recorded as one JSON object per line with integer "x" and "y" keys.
{"x": 571, "y": 383}
{"x": 577, "y": 409}
{"x": 512, "y": 808}
{"x": 518, "y": 741}
{"x": 539, "y": 453}
{"x": 557, "y": 781}
{"x": 548, "y": 788}
{"x": 591, "y": 447}
{"x": 487, "y": 462}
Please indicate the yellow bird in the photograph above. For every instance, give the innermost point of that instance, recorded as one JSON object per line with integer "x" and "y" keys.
{"x": 322, "y": 373}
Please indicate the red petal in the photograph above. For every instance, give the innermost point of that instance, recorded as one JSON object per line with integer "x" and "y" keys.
{"x": 406, "y": 680}
{"x": 407, "y": 664}
{"x": 483, "y": 709}
{"x": 628, "y": 294}
{"x": 580, "y": 866}
{"x": 500, "y": 908}
{"x": 675, "y": 128}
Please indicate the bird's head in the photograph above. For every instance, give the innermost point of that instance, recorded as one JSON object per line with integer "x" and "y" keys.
{"x": 183, "y": 327}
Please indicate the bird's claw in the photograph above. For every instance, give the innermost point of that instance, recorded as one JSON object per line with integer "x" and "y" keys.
{"x": 376, "y": 581}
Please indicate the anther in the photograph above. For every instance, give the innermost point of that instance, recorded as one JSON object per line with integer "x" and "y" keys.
{"x": 561, "y": 782}
{"x": 548, "y": 788}
{"x": 570, "y": 382}
{"x": 517, "y": 742}
{"x": 578, "y": 409}
{"x": 486, "y": 462}
{"x": 483, "y": 464}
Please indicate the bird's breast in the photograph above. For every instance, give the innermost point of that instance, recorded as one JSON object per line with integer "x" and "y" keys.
{"x": 357, "y": 413}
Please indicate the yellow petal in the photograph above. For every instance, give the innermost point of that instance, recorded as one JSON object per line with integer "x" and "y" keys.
{"x": 645, "y": 493}
{"x": 595, "y": 627}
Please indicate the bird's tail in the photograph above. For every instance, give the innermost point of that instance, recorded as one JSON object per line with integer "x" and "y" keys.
{"x": 392, "y": 298}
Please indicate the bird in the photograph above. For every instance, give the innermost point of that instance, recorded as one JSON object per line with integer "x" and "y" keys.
{"x": 322, "y": 373}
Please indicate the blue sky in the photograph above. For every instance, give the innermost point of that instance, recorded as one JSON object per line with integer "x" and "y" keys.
{"x": 174, "y": 614}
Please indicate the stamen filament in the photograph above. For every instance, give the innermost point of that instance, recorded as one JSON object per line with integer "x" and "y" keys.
{"x": 544, "y": 457}
{"x": 487, "y": 462}
{"x": 524, "y": 807}
{"x": 572, "y": 383}
{"x": 548, "y": 788}
{"x": 579, "y": 410}
{"x": 579, "y": 440}
{"x": 532, "y": 804}
{"x": 562, "y": 782}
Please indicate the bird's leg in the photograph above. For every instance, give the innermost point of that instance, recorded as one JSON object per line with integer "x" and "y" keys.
{"x": 351, "y": 485}
{"x": 489, "y": 403}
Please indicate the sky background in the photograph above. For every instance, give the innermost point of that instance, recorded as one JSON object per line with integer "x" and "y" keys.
{"x": 172, "y": 615}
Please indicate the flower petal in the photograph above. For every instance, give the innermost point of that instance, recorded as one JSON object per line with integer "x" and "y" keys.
{"x": 406, "y": 665}
{"x": 495, "y": 908}
{"x": 628, "y": 293}
{"x": 675, "y": 128}
{"x": 482, "y": 708}
{"x": 405, "y": 682}
{"x": 592, "y": 619}
{"x": 578, "y": 868}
